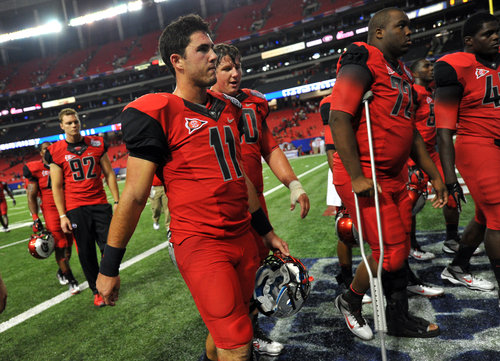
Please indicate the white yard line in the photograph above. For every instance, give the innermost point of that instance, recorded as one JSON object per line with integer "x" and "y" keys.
{"x": 12, "y": 244}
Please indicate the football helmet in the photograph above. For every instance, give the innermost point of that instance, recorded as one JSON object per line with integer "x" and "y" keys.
{"x": 282, "y": 285}
{"x": 346, "y": 230}
{"x": 417, "y": 188}
{"x": 41, "y": 245}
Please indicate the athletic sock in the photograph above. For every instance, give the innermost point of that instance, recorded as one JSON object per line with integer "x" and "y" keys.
{"x": 452, "y": 231}
{"x": 353, "y": 297}
{"x": 495, "y": 264}
{"x": 346, "y": 273}
{"x": 463, "y": 256}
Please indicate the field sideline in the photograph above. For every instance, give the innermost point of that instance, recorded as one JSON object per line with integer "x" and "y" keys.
{"x": 155, "y": 318}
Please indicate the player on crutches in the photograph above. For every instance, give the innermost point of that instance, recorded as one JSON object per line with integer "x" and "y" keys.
{"x": 375, "y": 66}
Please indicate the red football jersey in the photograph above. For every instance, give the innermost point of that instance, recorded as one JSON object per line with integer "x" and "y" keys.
{"x": 479, "y": 110}
{"x": 324, "y": 110}
{"x": 156, "y": 181}
{"x": 38, "y": 172}
{"x": 256, "y": 138}
{"x": 3, "y": 185}
{"x": 425, "y": 120}
{"x": 391, "y": 113}
{"x": 80, "y": 163}
{"x": 198, "y": 148}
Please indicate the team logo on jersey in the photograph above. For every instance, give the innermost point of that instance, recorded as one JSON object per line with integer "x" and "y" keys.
{"x": 233, "y": 100}
{"x": 95, "y": 143}
{"x": 193, "y": 124}
{"x": 68, "y": 157}
{"x": 481, "y": 72}
{"x": 45, "y": 173}
{"x": 230, "y": 120}
{"x": 389, "y": 70}
{"x": 428, "y": 100}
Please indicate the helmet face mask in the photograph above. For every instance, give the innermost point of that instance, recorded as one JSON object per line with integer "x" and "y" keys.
{"x": 417, "y": 188}
{"x": 282, "y": 285}
{"x": 41, "y": 245}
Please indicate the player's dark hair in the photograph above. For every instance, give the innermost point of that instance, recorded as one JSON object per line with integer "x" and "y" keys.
{"x": 475, "y": 22}
{"x": 223, "y": 50}
{"x": 416, "y": 64}
{"x": 176, "y": 36}
{"x": 67, "y": 111}
{"x": 41, "y": 145}
{"x": 379, "y": 21}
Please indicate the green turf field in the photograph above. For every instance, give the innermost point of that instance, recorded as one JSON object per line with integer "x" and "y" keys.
{"x": 155, "y": 318}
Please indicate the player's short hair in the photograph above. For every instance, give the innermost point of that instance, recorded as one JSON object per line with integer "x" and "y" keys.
{"x": 416, "y": 64}
{"x": 475, "y": 22}
{"x": 67, "y": 111}
{"x": 223, "y": 50}
{"x": 41, "y": 145}
{"x": 379, "y": 20}
{"x": 176, "y": 36}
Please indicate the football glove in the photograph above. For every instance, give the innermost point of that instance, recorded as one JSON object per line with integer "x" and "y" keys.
{"x": 296, "y": 191}
{"x": 455, "y": 190}
{"x": 14, "y": 202}
{"x": 37, "y": 225}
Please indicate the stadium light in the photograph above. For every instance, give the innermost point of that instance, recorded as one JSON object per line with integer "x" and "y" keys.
{"x": 106, "y": 14}
{"x": 53, "y": 26}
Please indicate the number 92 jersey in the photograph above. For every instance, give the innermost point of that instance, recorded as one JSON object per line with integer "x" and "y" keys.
{"x": 198, "y": 153}
{"x": 80, "y": 163}
{"x": 391, "y": 110}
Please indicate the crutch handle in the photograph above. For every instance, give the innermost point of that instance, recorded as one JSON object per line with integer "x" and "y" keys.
{"x": 368, "y": 96}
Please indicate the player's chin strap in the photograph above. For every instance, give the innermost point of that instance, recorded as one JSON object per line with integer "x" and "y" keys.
{"x": 375, "y": 281}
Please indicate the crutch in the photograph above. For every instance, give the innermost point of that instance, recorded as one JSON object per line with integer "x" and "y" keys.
{"x": 375, "y": 282}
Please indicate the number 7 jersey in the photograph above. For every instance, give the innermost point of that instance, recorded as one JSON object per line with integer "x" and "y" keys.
{"x": 80, "y": 163}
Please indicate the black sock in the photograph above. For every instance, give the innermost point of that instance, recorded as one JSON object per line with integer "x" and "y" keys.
{"x": 353, "y": 297}
{"x": 463, "y": 256}
{"x": 452, "y": 231}
{"x": 69, "y": 275}
{"x": 495, "y": 264}
{"x": 346, "y": 273}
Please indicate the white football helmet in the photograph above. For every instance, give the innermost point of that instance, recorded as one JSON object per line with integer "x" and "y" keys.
{"x": 41, "y": 245}
{"x": 282, "y": 285}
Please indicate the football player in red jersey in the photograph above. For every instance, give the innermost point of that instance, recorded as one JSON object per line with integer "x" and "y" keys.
{"x": 375, "y": 66}
{"x": 257, "y": 142}
{"x": 4, "y": 219}
{"x": 189, "y": 139}
{"x": 423, "y": 72}
{"x": 468, "y": 103}
{"x": 76, "y": 166}
{"x": 38, "y": 175}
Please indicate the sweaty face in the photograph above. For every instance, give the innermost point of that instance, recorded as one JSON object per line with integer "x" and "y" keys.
{"x": 199, "y": 60}
{"x": 486, "y": 40}
{"x": 70, "y": 124}
{"x": 397, "y": 33}
{"x": 425, "y": 71}
{"x": 229, "y": 76}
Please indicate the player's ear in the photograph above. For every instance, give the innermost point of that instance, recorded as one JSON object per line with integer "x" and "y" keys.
{"x": 177, "y": 61}
{"x": 468, "y": 41}
{"x": 379, "y": 33}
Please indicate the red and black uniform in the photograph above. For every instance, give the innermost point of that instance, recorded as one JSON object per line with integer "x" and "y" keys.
{"x": 3, "y": 202}
{"x": 198, "y": 153}
{"x": 38, "y": 172}
{"x": 256, "y": 142}
{"x": 324, "y": 109}
{"x": 392, "y": 120}
{"x": 85, "y": 199}
{"x": 477, "y": 146}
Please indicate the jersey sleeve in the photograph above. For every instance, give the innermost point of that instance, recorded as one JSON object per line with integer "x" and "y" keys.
{"x": 324, "y": 111}
{"x": 268, "y": 142}
{"x": 48, "y": 157}
{"x": 449, "y": 91}
{"x": 28, "y": 174}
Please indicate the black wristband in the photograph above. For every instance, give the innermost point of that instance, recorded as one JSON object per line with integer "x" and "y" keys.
{"x": 260, "y": 222}
{"x": 111, "y": 259}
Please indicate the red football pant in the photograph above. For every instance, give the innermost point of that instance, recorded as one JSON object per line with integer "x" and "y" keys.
{"x": 395, "y": 210}
{"x": 53, "y": 224}
{"x": 3, "y": 207}
{"x": 220, "y": 274}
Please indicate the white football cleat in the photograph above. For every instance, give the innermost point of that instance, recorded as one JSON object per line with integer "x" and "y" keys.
{"x": 354, "y": 320}
{"x": 421, "y": 255}
{"x": 425, "y": 290}
{"x": 458, "y": 276}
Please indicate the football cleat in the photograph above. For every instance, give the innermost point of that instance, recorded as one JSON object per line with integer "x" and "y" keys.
{"x": 421, "y": 255}
{"x": 451, "y": 246}
{"x": 458, "y": 276}
{"x": 353, "y": 319}
{"x": 73, "y": 287}
{"x": 264, "y": 345}
{"x": 344, "y": 226}
{"x": 282, "y": 285}
{"x": 98, "y": 301}
{"x": 61, "y": 277}
{"x": 41, "y": 245}
{"x": 425, "y": 290}
{"x": 156, "y": 226}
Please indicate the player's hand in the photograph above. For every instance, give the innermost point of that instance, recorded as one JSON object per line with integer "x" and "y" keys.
{"x": 363, "y": 187}
{"x": 298, "y": 195}
{"x": 441, "y": 198}
{"x": 3, "y": 295}
{"x": 14, "y": 202}
{"x": 66, "y": 225}
{"x": 109, "y": 288}
{"x": 275, "y": 243}
{"x": 455, "y": 189}
{"x": 37, "y": 225}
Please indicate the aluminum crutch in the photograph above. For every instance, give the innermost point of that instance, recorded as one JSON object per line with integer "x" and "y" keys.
{"x": 375, "y": 282}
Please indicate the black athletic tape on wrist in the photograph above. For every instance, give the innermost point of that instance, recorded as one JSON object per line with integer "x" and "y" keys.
{"x": 111, "y": 259}
{"x": 260, "y": 222}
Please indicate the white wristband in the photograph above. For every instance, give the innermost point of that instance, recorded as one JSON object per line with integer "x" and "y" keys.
{"x": 296, "y": 191}
{"x": 62, "y": 216}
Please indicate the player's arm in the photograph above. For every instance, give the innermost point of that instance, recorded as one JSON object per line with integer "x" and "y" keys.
{"x": 56, "y": 176}
{"x": 279, "y": 164}
{"x": 134, "y": 196}
{"x": 110, "y": 176}
{"x": 352, "y": 82}
{"x": 32, "y": 194}
{"x": 422, "y": 159}
{"x": 448, "y": 95}
{"x": 9, "y": 192}
{"x": 261, "y": 223}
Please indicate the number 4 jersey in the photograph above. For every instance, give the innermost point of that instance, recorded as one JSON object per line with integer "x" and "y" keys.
{"x": 197, "y": 150}
{"x": 80, "y": 163}
{"x": 479, "y": 112}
